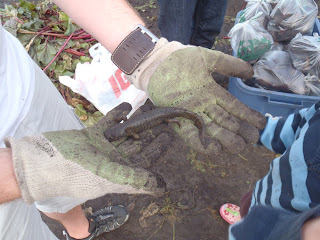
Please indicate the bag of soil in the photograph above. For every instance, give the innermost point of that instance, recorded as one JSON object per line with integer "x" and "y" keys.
{"x": 250, "y": 40}
{"x": 290, "y": 17}
{"x": 274, "y": 71}
{"x": 312, "y": 85}
{"x": 254, "y": 7}
{"x": 305, "y": 54}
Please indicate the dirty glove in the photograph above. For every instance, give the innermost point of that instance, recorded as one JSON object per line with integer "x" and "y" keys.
{"x": 175, "y": 75}
{"x": 82, "y": 163}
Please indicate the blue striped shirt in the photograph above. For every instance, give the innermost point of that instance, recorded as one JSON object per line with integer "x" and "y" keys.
{"x": 293, "y": 180}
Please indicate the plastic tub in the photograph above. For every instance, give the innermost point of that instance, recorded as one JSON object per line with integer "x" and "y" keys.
{"x": 265, "y": 101}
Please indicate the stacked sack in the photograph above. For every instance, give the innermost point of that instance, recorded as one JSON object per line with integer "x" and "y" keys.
{"x": 275, "y": 36}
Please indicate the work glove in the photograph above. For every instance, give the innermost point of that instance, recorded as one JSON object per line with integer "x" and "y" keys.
{"x": 175, "y": 75}
{"x": 84, "y": 165}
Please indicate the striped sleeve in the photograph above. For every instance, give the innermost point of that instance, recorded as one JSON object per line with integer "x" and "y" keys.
{"x": 280, "y": 133}
{"x": 293, "y": 181}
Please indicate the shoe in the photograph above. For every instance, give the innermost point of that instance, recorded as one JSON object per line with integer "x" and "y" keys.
{"x": 230, "y": 213}
{"x": 104, "y": 220}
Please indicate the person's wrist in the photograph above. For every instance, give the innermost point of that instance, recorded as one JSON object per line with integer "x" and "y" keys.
{"x": 134, "y": 49}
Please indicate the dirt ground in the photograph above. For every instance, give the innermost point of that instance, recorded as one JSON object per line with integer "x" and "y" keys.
{"x": 198, "y": 185}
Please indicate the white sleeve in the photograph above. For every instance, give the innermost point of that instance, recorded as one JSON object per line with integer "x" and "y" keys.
{"x": 16, "y": 83}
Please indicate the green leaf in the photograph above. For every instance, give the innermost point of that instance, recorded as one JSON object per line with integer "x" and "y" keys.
{"x": 84, "y": 59}
{"x": 70, "y": 28}
{"x": 67, "y": 73}
{"x": 45, "y": 53}
{"x": 56, "y": 28}
{"x": 84, "y": 45}
{"x": 24, "y": 38}
{"x": 67, "y": 61}
{"x": 80, "y": 110}
{"x": 11, "y": 11}
{"x": 12, "y": 26}
{"x": 28, "y": 5}
{"x": 34, "y": 24}
{"x": 74, "y": 64}
{"x": 93, "y": 119}
{"x": 63, "y": 17}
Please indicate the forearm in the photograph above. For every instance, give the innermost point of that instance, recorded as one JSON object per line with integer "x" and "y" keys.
{"x": 109, "y": 21}
{"x": 9, "y": 189}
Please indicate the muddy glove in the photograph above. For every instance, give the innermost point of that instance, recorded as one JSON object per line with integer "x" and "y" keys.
{"x": 80, "y": 164}
{"x": 175, "y": 75}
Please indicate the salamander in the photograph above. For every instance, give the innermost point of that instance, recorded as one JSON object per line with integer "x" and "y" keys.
{"x": 152, "y": 118}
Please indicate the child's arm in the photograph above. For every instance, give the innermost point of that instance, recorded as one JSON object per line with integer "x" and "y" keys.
{"x": 280, "y": 133}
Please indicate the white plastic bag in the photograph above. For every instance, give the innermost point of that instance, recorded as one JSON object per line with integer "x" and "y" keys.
{"x": 250, "y": 40}
{"x": 290, "y": 17}
{"x": 275, "y": 71}
{"x": 258, "y": 9}
{"x": 312, "y": 85}
{"x": 305, "y": 54}
{"x": 103, "y": 84}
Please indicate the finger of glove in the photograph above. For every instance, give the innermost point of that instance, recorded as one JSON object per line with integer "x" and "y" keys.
{"x": 138, "y": 178}
{"x": 227, "y": 65}
{"x": 151, "y": 153}
{"x": 248, "y": 132}
{"x": 233, "y": 106}
{"x": 116, "y": 115}
{"x": 229, "y": 141}
{"x": 222, "y": 118}
{"x": 190, "y": 133}
{"x": 131, "y": 146}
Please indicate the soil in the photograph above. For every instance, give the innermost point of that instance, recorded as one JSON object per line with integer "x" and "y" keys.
{"x": 198, "y": 185}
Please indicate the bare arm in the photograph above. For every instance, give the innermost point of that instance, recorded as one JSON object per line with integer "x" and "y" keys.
{"x": 311, "y": 229}
{"x": 9, "y": 189}
{"x": 109, "y": 21}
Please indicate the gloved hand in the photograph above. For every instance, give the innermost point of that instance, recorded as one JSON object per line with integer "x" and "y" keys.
{"x": 175, "y": 75}
{"x": 84, "y": 165}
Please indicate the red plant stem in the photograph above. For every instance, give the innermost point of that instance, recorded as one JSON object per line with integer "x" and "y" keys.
{"x": 88, "y": 40}
{"x": 18, "y": 20}
{"x": 244, "y": 5}
{"x": 45, "y": 29}
{"x": 78, "y": 33}
{"x": 225, "y": 37}
{"x": 59, "y": 35}
{"x": 74, "y": 52}
{"x": 48, "y": 34}
{"x": 61, "y": 49}
{"x": 52, "y": 72}
{"x": 82, "y": 36}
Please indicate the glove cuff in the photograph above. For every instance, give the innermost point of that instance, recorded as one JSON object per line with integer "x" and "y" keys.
{"x": 42, "y": 172}
{"x": 141, "y": 76}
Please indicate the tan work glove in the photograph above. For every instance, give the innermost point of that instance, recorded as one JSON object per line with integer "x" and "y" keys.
{"x": 175, "y": 75}
{"x": 83, "y": 164}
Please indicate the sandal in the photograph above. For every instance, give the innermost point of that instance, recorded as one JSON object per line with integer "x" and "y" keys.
{"x": 230, "y": 213}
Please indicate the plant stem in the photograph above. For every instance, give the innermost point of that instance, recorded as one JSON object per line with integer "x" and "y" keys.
{"x": 88, "y": 40}
{"x": 61, "y": 49}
